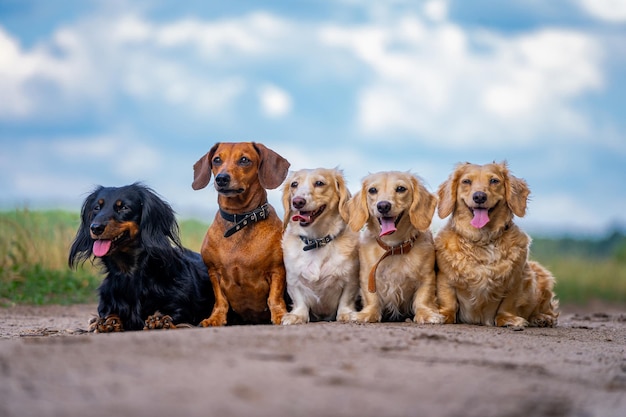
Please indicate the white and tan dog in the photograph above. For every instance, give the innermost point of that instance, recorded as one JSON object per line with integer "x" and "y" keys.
{"x": 396, "y": 253}
{"x": 320, "y": 251}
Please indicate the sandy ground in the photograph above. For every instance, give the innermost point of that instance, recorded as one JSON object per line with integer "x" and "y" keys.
{"x": 50, "y": 367}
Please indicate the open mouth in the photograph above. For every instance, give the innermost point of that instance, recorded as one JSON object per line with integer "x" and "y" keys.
{"x": 102, "y": 247}
{"x": 307, "y": 217}
{"x": 388, "y": 225}
{"x": 480, "y": 215}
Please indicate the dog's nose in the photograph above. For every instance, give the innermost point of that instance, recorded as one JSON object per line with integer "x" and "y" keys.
{"x": 479, "y": 197}
{"x": 97, "y": 228}
{"x": 298, "y": 203}
{"x": 222, "y": 180}
{"x": 383, "y": 207}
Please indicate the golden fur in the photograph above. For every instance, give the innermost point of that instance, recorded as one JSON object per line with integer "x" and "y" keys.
{"x": 484, "y": 276}
{"x": 323, "y": 282}
{"x": 405, "y": 283}
{"x": 246, "y": 269}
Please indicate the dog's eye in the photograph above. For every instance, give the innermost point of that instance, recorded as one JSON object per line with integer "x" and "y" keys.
{"x": 319, "y": 184}
{"x": 244, "y": 161}
{"x": 97, "y": 208}
{"x": 400, "y": 189}
{"x": 466, "y": 181}
{"x": 217, "y": 161}
{"x": 294, "y": 184}
{"x": 372, "y": 190}
{"x": 494, "y": 181}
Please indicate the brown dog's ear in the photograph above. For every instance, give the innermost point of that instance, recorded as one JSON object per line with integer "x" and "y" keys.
{"x": 447, "y": 197}
{"x": 286, "y": 199}
{"x": 447, "y": 192}
{"x": 422, "y": 207}
{"x": 516, "y": 192}
{"x": 202, "y": 170}
{"x": 357, "y": 210}
{"x": 273, "y": 168}
{"x": 344, "y": 197}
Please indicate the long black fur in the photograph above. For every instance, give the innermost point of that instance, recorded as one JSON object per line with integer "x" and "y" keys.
{"x": 150, "y": 273}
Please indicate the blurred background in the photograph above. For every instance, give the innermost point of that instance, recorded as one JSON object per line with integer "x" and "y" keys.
{"x": 112, "y": 92}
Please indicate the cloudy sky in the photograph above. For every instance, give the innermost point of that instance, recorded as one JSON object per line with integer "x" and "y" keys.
{"x": 112, "y": 92}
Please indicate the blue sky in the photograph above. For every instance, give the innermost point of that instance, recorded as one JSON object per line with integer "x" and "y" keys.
{"x": 112, "y": 92}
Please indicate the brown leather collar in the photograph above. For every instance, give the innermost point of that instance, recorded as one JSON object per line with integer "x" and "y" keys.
{"x": 401, "y": 249}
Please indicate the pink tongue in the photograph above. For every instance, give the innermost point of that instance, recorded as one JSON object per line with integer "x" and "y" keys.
{"x": 481, "y": 218}
{"x": 387, "y": 226}
{"x": 301, "y": 218}
{"x": 101, "y": 247}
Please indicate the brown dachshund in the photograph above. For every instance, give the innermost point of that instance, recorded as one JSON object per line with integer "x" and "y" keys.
{"x": 242, "y": 248}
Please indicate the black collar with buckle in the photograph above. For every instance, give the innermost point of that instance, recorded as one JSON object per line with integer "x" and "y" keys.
{"x": 315, "y": 243}
{"x": 244, "y": 219}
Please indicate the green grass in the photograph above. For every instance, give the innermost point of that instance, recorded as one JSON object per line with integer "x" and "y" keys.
{"x": 34, "y": 247}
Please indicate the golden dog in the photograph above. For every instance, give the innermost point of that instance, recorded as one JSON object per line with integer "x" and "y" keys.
{"x": 242, "y": 248}
{"x": 396, "y": 253}
{"x": 320, "y": 251}
{"x": 484, "y": 274}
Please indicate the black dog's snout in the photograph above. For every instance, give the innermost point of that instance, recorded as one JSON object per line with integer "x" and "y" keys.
{"x": 479, "y": 197}
{"x": 383, "y": 207}
{"x": 222, "y": 180}
{"x": 97, "y": 228}
{"x": 298, "y": 203}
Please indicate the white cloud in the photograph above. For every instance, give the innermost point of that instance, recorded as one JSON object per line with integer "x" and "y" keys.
{"x": 460, "y": 87}
{"x": 275, "y": 102}
{"x": 609, "y": 10}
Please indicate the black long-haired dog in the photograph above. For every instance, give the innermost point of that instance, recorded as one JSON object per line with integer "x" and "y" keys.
{"x": 150, "y": 281}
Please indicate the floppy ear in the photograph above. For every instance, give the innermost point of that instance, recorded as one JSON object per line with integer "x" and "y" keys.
{"x": 516, "y": 192}
{"x": 422, "y": 207}
{"x": 158, "y": 226}
{"x": 447, "y": 193}
{"x": 447, "y": 198}
{"x": 287, "y": 201}
{"x": 81, "y": 247}
{"x": 273, "y": 168}
{"x": 202, "y": 169}
{"x": 344, "y": 197}
{"x": 357, "y": 210}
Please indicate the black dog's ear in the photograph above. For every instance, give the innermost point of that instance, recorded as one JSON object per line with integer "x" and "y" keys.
{"x": 158, "y": 226}
{"x": 80, "y": 250}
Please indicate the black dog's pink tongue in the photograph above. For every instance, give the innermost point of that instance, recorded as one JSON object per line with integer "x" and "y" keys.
{"x": 301, "y": 218}
{"x": 101, "y": 247}
{"x": 387, "y": 226}
{"x": 481, "y": 218}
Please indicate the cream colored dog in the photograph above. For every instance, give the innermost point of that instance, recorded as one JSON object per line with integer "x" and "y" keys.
{"x": 320, "y": 251}
{"x": 484, "y": 274}
{"x": 396, "y": 253}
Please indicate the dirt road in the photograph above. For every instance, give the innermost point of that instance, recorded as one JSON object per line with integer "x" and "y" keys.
{"x": 48, "y": 367}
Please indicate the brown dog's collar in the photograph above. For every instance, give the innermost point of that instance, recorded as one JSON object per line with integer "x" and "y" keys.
{"x": 244, "y": 219}
{"x": 401, "y": 249}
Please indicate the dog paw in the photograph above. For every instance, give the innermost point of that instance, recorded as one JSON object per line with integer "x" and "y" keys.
{"x": 543, "y": 320}
{"x": 366, "y": 317}
{"x": 159, "y": 321}
{"x": 345, "y": 317}
{"x": 428, "y": 317}
{"x": 290, "y": 318}
{"x": 448, "y": 317}
{"x": 108, "y": 324}
{"x": 510, "y": 321}
{"x": 214, "y": 321}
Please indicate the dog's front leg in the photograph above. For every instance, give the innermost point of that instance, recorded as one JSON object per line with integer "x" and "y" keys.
{"x": 221, "y": 306}
{"x": 425, "y": 301}
{"x": 446, "y": 296}
{"x": 371, "y": 308}
{"x": 346, "y": 308}
{"x": 276, "y": 299}
{"x": 299, "y": 314}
